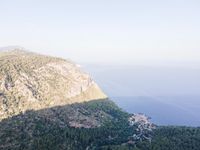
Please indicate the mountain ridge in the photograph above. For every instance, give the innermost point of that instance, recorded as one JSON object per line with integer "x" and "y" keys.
{"x": 33, "y": 81}
{"x": 50, "y": 103}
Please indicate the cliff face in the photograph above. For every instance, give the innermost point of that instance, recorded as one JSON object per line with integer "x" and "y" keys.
{"x": 30, "y": 81}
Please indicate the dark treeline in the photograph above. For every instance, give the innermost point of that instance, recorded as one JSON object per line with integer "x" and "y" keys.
{"x": 32, "y": 132}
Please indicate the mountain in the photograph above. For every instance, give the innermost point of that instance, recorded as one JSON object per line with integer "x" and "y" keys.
{"x": 30, "y": 81}
{"x": 43, "y": 97}
{"x": 48, "y": 103}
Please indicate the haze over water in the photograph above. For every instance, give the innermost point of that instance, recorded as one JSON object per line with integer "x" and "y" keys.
{"x": 169, "y": 95}
{"x": 129, "y": 34}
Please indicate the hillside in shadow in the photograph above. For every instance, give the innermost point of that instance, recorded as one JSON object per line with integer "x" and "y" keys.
{"x": 94, "y": 125}
{"x": 75, "y": 126}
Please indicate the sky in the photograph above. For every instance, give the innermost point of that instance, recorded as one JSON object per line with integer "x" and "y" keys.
{"x": 105, "y": 31}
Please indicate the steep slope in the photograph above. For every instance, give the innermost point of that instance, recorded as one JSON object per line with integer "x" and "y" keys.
{"x": 49, "y": 103}
{"x": 30, "y": 81}
{"x": 78, "y": 126}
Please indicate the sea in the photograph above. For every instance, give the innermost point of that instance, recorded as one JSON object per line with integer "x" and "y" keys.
{"x": 169, "y": 95}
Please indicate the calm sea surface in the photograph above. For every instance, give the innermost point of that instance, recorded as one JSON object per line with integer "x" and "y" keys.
{"x": 176, "y": 110}
{"x": 169, "y": 95}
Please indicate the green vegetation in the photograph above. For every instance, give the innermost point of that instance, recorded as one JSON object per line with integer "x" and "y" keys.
{"x": 32, "y": 81}
{"x": 166, "y": 138}
{"x": 33, "y": 130}
{"x": 19, "y": 60}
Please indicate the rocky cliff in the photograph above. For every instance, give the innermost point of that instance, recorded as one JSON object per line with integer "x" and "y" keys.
{"x": 29, "y": 81}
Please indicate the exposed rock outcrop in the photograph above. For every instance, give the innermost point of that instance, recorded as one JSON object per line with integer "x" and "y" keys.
{"x": 30, "y": 81}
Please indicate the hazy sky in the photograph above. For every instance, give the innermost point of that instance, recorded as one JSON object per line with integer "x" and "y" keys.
{"x": 114, "y": 31}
